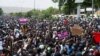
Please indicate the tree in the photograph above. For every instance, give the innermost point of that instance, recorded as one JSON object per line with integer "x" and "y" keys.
{"x": 65, "y": 9}
{"x": 69, "y": 5}
{"x": 52, "y": 10}
{"x": 86, "y": 3}
{"x": 60, "y": 3}
{"x": 1, "y": 11}
{"x": 49, "y": 12}
{"x": 11, "y": 14}
{"x": 33, "y": 13}
{"x": 29, "y": 14}
{"x": 19, "y": 14}
{"x": 97, "y": 4}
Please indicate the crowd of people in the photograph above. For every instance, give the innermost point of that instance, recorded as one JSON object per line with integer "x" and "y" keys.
{"x": 41, "y": 37}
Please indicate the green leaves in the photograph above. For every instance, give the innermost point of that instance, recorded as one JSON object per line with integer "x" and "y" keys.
{"x": 20, "y": 14}
{"x": 55, "y": 1}
{"x": 38, "y": 14}
{"x": 68, "y": 6}
{"x": 87, "y": 3}
{"x": 97, "y": 3}
{"x": 1, "y": 11}
{"x": 49, "y": 12}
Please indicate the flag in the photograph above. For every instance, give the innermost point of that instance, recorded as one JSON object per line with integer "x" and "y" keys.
{"x": 96, "y": 37}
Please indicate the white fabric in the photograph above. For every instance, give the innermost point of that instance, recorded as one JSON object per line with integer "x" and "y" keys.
{"x": 54, "y": 34}
{"x": 91, "y": 49}
{"x": 48, "y": 48}
{"x": 83, "y": 52}
{"x": 1, "y": 48}
{"x": 41, "y": 46}
{"x": 17, "y": 35}
{"x": 99, "y": 26}
{"x": 62, "y": 48}
{"x": 25, "y": 45}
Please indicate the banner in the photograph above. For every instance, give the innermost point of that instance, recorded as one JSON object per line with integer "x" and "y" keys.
{"x": 96, "y": 37}
{"x": 62, "y": 35}
{"x": 23, "y": 20}
{"x": 76, "y": 30}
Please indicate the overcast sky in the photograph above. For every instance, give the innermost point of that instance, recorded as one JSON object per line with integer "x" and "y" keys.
{"x": 39, "y": 4}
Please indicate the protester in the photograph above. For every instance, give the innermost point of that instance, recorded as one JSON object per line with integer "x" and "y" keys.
{"x": 48, "y": 38}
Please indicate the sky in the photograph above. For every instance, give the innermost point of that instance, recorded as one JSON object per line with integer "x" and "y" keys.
{"x": 39, "y": 4}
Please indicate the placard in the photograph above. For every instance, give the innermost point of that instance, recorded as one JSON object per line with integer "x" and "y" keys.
{"x": 76, "y": 30}
{"x": 62, "y": 35}
{"x": 23, "y": 20}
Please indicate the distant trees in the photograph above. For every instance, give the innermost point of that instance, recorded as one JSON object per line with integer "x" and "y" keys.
{"x": 49, "y": 12}
{"x": 1, "y": 11}
{"x": 42, "y": 14}
{"x": 66, "y": 6}
{"x": 69, "y": 6}
{"x": 97, "y": 4}
{"x": 20, "y": 14}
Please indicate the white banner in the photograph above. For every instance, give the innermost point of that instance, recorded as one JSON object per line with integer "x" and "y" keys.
{"x": 79, "y": 1}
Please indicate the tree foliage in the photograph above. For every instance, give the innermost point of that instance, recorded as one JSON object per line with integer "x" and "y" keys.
{"x": 97, "y": 3}
{"x": 1, "y": 11}
{"x": 49, "y": 12}
{"x": 42, "y": 14}
{"x": 68, "y": 6}
{"x": 19, "y": 14}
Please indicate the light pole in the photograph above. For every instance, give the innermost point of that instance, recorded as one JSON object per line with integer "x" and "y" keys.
{"x": 34, "y": 4}
{"x": 92, "y": 8}
{"x": 78, "y": 7}
{"x": 78, "y": 11}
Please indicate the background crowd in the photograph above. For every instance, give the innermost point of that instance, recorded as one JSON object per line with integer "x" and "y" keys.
{"x": 41, "y": 37}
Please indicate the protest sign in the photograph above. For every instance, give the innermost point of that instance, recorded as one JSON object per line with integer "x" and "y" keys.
{"x": 23, "y": 20}
{"x": 76, "y": 30}
{"x": 62, "y": 35}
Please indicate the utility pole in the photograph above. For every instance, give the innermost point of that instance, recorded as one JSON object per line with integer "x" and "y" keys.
{"x": 34, "y": 4}
{"x": 92, "y": 8}
{"x": 78, "y": 11}
{"x": 78, "y": 7}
